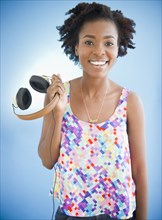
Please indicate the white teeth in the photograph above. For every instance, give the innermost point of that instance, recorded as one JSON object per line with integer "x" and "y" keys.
{"x": 98, "y": 63}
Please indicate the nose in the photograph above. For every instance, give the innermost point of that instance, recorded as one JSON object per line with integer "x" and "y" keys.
{"x": 99, "y": 50}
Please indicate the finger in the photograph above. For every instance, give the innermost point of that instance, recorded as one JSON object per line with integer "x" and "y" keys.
{"x": 53, "y": 89}
{"x": 51, "y": 94}
{"x": 53, "y": 78}
{"x": 59, "y": 76}
{"x": 58, "y": 84}
{"x": 56, "y": 77}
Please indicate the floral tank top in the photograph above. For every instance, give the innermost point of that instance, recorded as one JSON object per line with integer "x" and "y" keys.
{"x": 93, "y": 172}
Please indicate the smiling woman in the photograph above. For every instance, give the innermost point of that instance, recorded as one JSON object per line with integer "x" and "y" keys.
{"x": 97, "y": 46}
{"x": 92, "y": 159}
{"x": 95, "y": 117}
{"x": 73, "y": 25}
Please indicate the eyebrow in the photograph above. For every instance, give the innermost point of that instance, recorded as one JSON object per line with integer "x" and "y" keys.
{"x": 93, "y": 37}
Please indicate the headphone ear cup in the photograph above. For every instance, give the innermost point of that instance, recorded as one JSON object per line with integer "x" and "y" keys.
{"x": 23, "y": 98}
{"x": 39, "y": 84}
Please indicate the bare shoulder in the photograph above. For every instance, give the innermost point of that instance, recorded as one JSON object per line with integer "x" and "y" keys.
{"x": 135, "y": 106}
{"x": 134, "y": 100}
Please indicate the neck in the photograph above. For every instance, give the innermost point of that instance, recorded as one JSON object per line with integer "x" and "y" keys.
{"x": 94, "y": 87}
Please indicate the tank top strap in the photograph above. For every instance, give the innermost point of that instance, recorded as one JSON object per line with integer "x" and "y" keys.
{"x": 67, "y": 89}
{"x": 122, "y": 104}
{"x": 124, "y": 96}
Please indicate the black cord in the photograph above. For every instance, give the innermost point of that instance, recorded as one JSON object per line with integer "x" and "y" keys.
{"x": 55, "y": 173}
{"x": 53, "y": 190}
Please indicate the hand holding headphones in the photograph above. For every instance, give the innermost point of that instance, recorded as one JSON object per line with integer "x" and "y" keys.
{"x": 57, "y": 87}
{"x": 40, "y": 84}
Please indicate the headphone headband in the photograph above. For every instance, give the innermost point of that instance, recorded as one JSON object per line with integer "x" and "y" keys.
{"x": 23, "y": 98}
{"x": 48, "y": 108}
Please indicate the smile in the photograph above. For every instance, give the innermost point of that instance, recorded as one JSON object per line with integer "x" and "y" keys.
{"x": 98, "y": 62}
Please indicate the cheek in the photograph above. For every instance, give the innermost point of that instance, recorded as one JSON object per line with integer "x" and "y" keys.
{"x": 82, "y": 55}
{"x": 114, "y": 53}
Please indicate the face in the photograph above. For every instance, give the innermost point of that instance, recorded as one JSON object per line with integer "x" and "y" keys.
{"x": 97, "y": 48}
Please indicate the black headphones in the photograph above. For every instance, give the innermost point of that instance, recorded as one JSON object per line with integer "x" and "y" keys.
{"x": 24, "y": 98}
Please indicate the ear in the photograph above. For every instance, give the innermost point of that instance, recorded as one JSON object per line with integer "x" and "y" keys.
{"x": 76, "y": 50}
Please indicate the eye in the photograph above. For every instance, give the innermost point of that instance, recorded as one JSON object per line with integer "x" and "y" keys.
{"x": 109, "y": 44}
{"x": 88, "y": 42}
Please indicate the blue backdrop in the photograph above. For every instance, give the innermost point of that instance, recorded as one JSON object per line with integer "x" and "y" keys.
{"x": 29, "y": 45}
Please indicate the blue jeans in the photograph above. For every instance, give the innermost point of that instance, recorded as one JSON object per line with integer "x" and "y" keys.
{"x": 62, "y": 216}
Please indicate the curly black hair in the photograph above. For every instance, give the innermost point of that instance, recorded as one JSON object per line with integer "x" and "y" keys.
{"x": 84, "y": 12}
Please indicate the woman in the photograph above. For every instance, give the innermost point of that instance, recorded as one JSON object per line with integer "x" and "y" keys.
{"x": 95, "y": 135}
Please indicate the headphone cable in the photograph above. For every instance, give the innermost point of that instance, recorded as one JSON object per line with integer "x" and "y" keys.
{"x": 55, "y": 172}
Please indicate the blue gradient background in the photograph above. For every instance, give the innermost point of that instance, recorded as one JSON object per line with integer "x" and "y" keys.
{"x": 29, "y": 45}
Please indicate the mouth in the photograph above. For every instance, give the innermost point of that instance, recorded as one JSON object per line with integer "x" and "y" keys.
{"x": 98, "y": 62}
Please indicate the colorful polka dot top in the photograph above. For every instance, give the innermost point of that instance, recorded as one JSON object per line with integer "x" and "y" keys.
{"x": 94, "y": 167}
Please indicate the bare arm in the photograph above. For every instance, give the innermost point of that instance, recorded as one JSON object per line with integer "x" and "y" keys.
{"x": 49, "y": 145}
{"x": 136, "y": 134}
